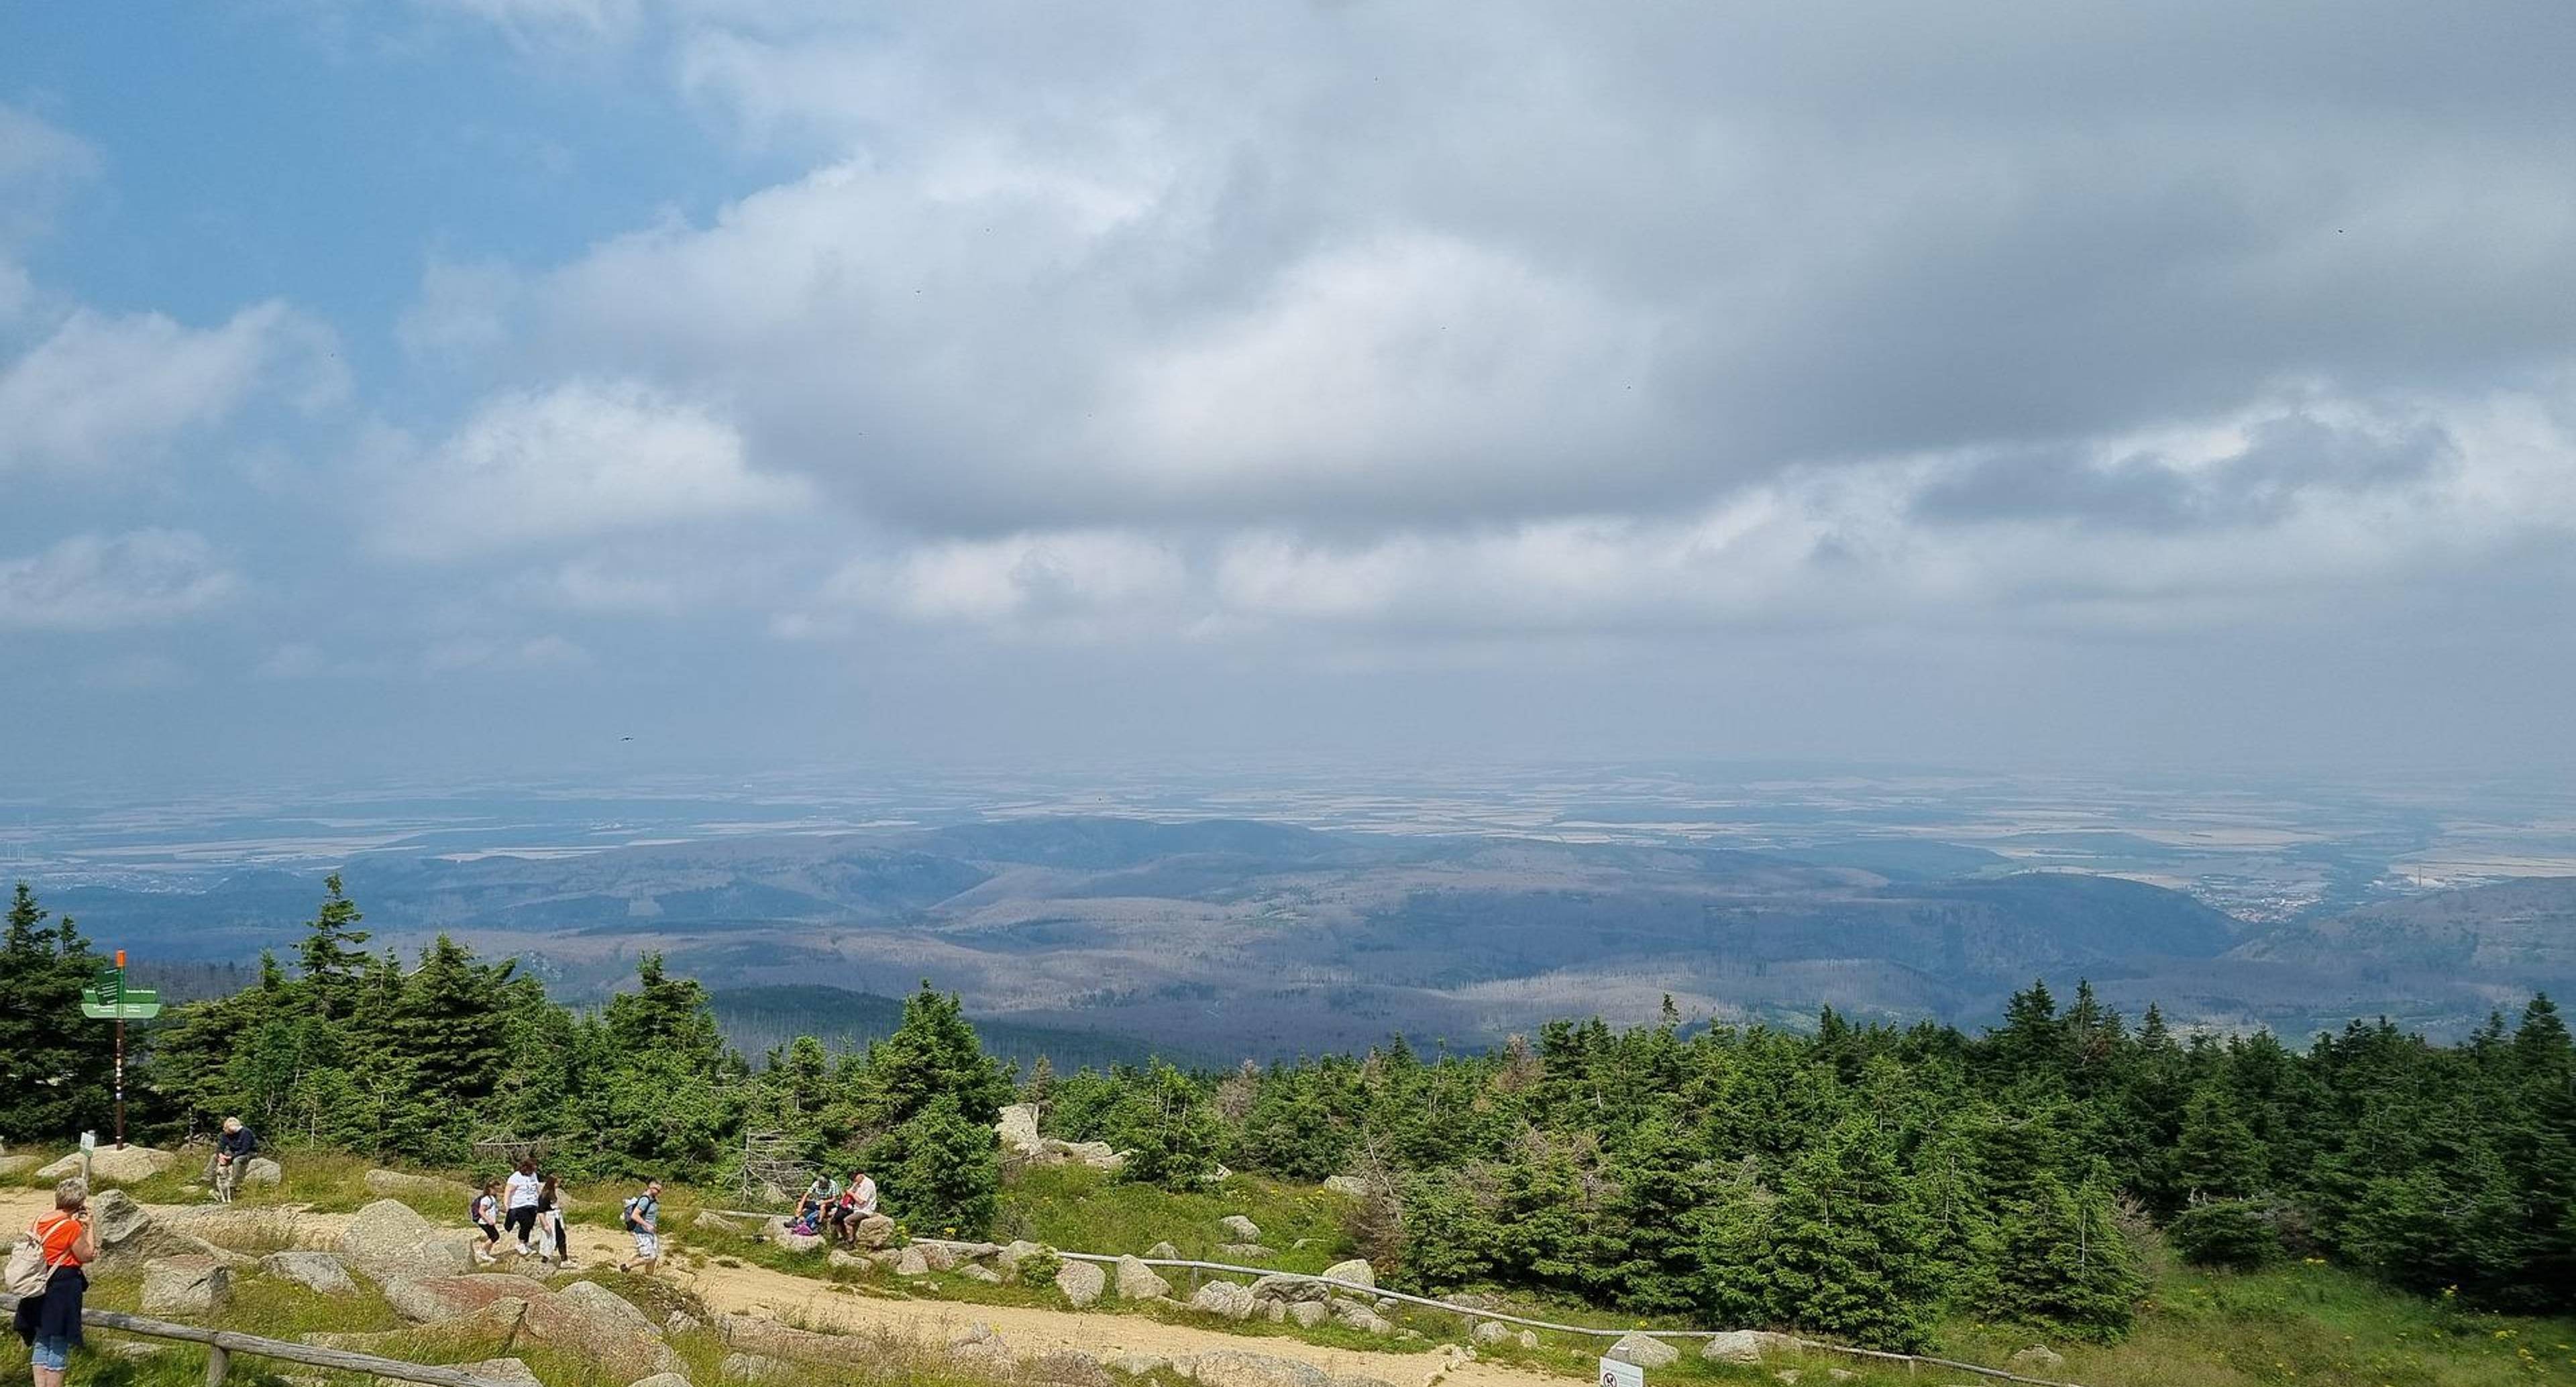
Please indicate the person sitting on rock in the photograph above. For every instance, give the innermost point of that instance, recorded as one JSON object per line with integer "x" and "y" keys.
{"x": 233, "y": 1150}
{"x": 857, "y": 1202}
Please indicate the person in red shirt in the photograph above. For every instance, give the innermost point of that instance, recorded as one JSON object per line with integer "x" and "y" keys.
{"x": 50, "y": 1322}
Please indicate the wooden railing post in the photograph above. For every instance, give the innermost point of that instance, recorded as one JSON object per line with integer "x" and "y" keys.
{"x": 219, "y": 1360}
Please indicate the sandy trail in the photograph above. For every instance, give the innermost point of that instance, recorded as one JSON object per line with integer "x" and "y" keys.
{"x": 806, "y": 1303}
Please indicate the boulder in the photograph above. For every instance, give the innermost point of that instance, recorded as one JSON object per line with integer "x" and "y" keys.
{"x": 978, "y": 1272}
{"x": 1350, "y": 1185}
{"x": 793, "y": 1242}
{"x": 1745, "y": 1346}
{"x": 769, "y": 1339}
{"x": 682, "y": 1322}
{"x": 913, "y": 1262}
{"x": 1240, "y": 1229}
{"x": 956, "y": 1251}
{"x": 1529, "y": 1338}
{"x": 1356, "y": 1272}
{"x": 1082, "y": 1283}
{"x": 753, "y": 1367}
{"x": 496, "y": 1322}
{"x": 1231, "y": 1368}
{"x": 1645, "y": 1351}
{"x": 712, "y": 1222}
{"x": 876, "y": 1230}
{"x": 1281, "y": 1285}
{"x": 661, "y": 1380}
{"x": 1490, "y": 1332}
{"x": 432, "y": 1299}
{"x": 314, "y": 1271}
{"x": 1230, "y": 1299}
{"x": 16, "y": 1165}
{"x": 1306, "y": 1314}
{"x": 1013, "y": 1253}
{"x": 186, "y": 1286}
{"x": 261, "y": 1171}
{"x": 1018, "y": 1130}
{"x": 1137, "y": 1364}
{"x": 1243, "y": 1252}
{"x": 1275, "y": 1311}
{"x": 490, "y": 1370}
{"x": 387, "y": 1242}
{"x": 2038, "y": 1358}
{"x": 402, "y": 1184}
{"x": 1065, "y": 1367}
{"x": 589, "y": 1319}
{"x": 1137, "y": 1281}
{"x": 934, "y": 1256}
{"x": 1164, "y": 1251}
{"x": 850, "y": 1260}
{"x": 111, "y": 1165}
{"x": 254, "y": 1225}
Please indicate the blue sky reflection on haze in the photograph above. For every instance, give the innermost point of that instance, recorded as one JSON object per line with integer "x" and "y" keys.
{"x": 458, "y": 386}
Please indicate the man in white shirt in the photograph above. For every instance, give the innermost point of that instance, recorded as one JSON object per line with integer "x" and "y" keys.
{"x": 521, "y": 1196}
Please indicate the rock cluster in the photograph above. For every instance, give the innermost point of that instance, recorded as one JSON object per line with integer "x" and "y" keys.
{"x": 1022, "y": 1142}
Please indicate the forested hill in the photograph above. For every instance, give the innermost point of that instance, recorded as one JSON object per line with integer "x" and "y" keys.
{"x": 1857, "y": 1180}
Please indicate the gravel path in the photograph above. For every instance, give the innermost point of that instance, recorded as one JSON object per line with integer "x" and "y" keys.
{"x": 812, "y": 1304}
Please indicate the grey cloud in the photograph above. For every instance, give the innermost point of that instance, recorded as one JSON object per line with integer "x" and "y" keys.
{"x": 2284, "y": 458}
{"x": 1742, "y": 238}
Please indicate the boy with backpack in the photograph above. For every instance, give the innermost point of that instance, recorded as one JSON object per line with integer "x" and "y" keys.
{"x": 644, "y": 1220}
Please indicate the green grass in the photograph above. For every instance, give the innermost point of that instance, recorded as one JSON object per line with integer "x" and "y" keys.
{"x": 1087, "y": 1211}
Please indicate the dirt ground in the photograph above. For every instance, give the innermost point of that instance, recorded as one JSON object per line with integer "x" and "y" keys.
{"x": 812, "y": 1304}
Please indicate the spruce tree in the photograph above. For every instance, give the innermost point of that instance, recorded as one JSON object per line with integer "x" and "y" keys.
{"x": 332, "y": 956}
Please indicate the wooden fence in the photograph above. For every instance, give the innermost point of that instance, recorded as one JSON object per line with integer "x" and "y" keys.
{"x": 222, "y": 1344}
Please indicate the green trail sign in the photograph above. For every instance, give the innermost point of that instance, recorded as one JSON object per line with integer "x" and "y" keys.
{"x": 109, "y": 999}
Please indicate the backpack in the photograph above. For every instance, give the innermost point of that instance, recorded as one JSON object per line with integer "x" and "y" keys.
{"x": 632, "y": 1204}
{"x": 28, "y": 1273}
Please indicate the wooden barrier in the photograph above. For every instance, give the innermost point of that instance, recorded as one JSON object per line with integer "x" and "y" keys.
{"x": 222, "y": 1344}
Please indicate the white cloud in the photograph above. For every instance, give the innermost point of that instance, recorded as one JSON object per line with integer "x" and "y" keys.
{"x": 97, "y": 583}
{"x": 107, "y": 392}
{"x": 38, "y": 163}
{"x": 577, "y": 460}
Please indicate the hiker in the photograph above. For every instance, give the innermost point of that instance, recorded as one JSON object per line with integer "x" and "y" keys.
{"x": 856, "y": 1203}
{"x": 520, "y": 1194}
{"x": 485, "y": 1211}
{"x": 233, "y": 1150}
{"x": 814, "y": 1207}
{"x": 550, "y": 1222}
{"x": 49, "y": 1320}
{"x": 643, "y": 1215}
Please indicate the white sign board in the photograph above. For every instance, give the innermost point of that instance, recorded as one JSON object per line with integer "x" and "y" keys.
{"x": 89, "y": 1141}
{"x": 1615, "y": 1373}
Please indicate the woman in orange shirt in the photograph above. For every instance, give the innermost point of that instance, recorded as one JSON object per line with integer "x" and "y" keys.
{"x": 50, "y": 1322}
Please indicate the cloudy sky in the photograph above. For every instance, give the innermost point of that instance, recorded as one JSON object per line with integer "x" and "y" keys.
{"x": 460, "y": 386}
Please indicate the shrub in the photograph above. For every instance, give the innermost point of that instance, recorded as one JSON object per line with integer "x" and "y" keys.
{"x": 2235, "y": 1233}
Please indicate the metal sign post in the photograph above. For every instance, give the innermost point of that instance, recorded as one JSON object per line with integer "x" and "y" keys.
{"x": 111, "y": 1000}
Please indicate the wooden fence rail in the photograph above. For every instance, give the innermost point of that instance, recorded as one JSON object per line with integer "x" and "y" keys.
{"x": 222, "y": 1344}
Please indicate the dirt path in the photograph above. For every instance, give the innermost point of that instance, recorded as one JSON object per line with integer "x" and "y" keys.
{"x": 812, "y": 1304}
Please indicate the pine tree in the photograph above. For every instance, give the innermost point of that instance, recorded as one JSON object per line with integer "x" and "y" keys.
{"x": 934, "y": 1053}
{"x": 1168, "y": 1129}
{"x": 1844, "y": 1249}
{"x": 331, "y": 956}
{"x": 940, "y": 1171}
{"x": 55, "y": 1064}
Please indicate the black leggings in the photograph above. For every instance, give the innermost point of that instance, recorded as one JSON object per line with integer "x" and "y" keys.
{"x": 523, "y": 1223}
{"x": 491, "y": 1234}
{"x": 560, "y": 1229}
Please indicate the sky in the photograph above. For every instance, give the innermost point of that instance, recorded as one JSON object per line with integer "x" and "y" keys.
{"x": 424, "y": 388}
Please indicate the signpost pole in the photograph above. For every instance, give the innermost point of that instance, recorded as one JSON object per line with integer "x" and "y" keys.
{"x": 111, "y": 1000}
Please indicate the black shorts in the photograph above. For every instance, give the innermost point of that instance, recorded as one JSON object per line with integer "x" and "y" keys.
{"x": 523, "y": 1222}
{"x": 491, "y": 1234}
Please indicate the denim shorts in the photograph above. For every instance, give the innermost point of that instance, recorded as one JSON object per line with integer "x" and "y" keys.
{"x": 52, "y": 1352}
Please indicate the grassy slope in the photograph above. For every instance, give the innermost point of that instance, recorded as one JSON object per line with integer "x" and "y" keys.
{"x": 2306, "y": 1324}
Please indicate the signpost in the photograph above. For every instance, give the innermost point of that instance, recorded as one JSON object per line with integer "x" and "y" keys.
{"x": 1620, "y": 1373}
{"x": 109, "y": 999}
